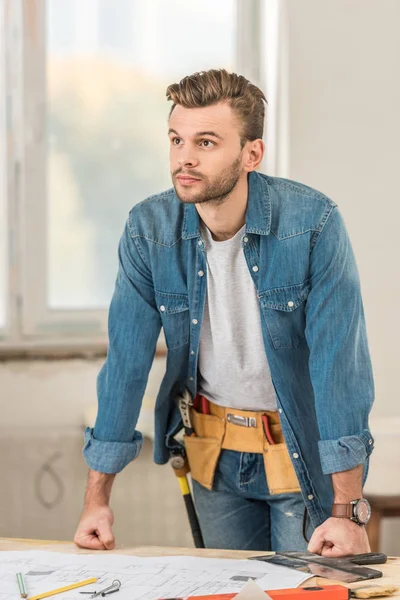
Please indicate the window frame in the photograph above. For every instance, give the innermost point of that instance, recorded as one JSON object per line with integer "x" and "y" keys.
{"x": 33, "y": 326}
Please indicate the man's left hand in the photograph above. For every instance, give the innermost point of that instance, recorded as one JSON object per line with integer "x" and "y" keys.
{"x": 339, "y": 537}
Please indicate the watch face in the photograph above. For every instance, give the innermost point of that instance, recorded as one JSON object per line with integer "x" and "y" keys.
{"x": 363, "y": 511}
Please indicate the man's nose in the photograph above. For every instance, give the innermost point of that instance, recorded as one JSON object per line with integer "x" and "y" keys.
{"x": 189, "y": 161}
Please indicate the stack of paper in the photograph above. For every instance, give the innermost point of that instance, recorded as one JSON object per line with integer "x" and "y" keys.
{"x": 141, "y": 578}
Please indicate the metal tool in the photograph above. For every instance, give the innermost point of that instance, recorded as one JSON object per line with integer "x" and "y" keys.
{"x": 369, "y": 558}
{"x": 240, "y": 420}
{"x": 341, "y": 569}
{"x": 185, "y": 402}
{"x": 111, "y": 589}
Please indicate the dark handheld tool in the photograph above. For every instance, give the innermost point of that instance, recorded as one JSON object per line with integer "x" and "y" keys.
{"x": 370, "y": 558}
{"x": 343, "y": 569}
{"x": 181, "y": 469}
{"x": 185, "y": 402}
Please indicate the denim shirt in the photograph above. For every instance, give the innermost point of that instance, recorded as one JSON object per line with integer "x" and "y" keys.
{"x": 302, "y": 264}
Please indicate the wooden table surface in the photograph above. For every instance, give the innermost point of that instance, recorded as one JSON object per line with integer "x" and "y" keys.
{"x": 391, "y": 570}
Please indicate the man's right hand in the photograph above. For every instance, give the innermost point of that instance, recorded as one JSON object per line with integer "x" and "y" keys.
{"x": 95, "y": 529}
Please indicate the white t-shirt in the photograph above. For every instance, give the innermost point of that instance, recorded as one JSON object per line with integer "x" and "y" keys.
{"x": 233, "y": 367}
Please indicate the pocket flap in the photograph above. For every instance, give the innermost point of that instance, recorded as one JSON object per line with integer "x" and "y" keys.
{"x": 285, "y": 298}
{"x": 169, "y": 303}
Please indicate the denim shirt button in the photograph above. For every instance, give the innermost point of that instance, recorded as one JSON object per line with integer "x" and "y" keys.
{"x": 245, "y": 239}
{"x": 290, "y": 304}
{"x": 255, "y": 268}
{"x": 370, "y": 442}
{"x": 295, "y": 455}
{"x": 200, "y": 273}
{"x": 192, "y": 352}
{"x": 310, "y": 497}
{"x": 162, "y": 308}
{"x": 194, "y": 321}
{"x": 279, "y": 410}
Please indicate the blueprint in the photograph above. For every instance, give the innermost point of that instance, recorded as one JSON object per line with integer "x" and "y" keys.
{"x": 141, "y": 578}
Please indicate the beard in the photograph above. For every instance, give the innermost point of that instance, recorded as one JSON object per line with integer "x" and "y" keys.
{"x": 215, "y": 190}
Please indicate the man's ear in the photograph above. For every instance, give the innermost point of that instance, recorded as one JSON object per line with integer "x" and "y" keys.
{"x": 253, "y": 153}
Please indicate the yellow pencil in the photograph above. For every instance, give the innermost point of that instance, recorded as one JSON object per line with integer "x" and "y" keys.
{"x": 64, "y": 589}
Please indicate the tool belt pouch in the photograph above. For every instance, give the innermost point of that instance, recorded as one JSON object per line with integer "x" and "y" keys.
{"x": 280, "y": 473}
{"x": 204, "y": 448}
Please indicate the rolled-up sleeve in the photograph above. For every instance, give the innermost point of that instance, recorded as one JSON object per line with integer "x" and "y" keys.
{"x": 134, "y": 325}
{"x": 339, "y": 362}
{"x": 110, "y": 457}
{"x": 346, "y": 452}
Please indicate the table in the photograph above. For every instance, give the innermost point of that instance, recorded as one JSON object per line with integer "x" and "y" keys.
{"x": 391, "y": 570}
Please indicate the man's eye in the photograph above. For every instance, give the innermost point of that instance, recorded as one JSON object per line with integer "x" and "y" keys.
{"x": 176, "y": 141}
{"x": 207, "y": 143}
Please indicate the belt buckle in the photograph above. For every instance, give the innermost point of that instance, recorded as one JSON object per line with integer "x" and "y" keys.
{"x": 241, "y": 421}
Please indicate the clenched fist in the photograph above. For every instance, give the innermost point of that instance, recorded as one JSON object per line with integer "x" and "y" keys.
{"x": 95, "y": 529}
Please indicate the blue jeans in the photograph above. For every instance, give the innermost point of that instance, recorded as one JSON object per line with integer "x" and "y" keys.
{"x": 240, "y": 513}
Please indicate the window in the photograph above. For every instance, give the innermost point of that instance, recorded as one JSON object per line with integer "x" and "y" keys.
{"x": 3, "y": 252}
{"x": 91, "y": 88}
{"x": 3, "y": 246}
{"x": 3, "y": 205}
{"x": 108, "y": 67}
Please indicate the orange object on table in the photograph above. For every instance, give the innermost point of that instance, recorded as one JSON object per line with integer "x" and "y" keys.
{"x": 326, "y": 592}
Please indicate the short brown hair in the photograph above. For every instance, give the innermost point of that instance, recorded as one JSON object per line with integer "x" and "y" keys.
{"x": 217, "y": 85}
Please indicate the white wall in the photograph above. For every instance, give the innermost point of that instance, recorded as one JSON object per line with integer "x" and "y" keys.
{"x": 57, "y": 393}
{"x": 344, "y": 131}
{"x": 44, "y": 407}
{"x": 344, "y": 58}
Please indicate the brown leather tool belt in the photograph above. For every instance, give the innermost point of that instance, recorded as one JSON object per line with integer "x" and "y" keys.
{"x": 217, "y": 428}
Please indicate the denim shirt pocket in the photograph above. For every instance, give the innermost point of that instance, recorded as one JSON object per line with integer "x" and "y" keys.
{"x": 283, "y": 310}
{"x": 174, "y": 311}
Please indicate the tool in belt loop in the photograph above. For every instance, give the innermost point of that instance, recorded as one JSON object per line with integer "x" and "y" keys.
{"x": 267, "y": 430}
{"x": 180, "y": 465}
{"x": 201, "y": 404}
{"x": 251, "y": 422}
{"x": 204, "y": 405}
{"x": 185, "y": 402}
{"x": 240, "y": 420}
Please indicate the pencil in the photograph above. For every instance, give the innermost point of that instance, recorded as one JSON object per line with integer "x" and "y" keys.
{"x": 64, "y": 589}
{"x": 21, "y": 585}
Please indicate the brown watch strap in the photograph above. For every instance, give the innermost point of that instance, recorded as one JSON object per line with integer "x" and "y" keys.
{"x": 343, "y": 511}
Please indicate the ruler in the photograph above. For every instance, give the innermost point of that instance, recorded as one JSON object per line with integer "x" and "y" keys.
{"x": 341, "y": 569}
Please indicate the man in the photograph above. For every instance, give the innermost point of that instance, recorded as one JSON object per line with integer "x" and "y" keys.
{"x": 254, "y": 282}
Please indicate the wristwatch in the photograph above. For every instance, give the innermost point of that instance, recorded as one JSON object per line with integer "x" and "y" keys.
{"x": 358, "y": 511}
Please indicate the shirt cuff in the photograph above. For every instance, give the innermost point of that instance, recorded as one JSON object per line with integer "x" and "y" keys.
{"x": 110, "y": 457}
{"x": 346, "y": 452}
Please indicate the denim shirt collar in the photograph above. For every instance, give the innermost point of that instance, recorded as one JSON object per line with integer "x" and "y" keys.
{"x": 258, "y": 212}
